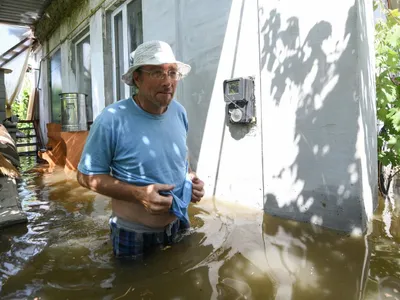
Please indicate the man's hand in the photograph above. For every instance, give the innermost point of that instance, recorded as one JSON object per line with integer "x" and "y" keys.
{"x": 197, "y": 188}
{"x": 153, "y": 201}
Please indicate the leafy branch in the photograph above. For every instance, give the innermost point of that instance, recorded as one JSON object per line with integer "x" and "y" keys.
{"x": 387, "y": 54}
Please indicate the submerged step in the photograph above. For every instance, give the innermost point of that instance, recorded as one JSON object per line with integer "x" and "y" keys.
{"x": 10, "y": 208}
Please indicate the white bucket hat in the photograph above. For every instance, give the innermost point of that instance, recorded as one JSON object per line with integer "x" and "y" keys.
{"x": 153, "y": 53}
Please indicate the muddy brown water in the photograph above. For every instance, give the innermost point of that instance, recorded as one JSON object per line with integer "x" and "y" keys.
{"x": 231, "y": 253}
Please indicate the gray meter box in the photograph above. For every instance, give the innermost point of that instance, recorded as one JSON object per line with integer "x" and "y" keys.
{"x": 240, "y": 100}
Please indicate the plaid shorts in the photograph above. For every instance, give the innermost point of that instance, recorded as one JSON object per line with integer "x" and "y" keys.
{"x": 134, "y": 245}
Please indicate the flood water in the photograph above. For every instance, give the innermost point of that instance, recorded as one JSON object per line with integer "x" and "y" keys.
{"x": 232, "y": 253}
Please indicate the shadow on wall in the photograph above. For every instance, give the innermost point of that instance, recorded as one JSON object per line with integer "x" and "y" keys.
{"x": 326, "y": 167}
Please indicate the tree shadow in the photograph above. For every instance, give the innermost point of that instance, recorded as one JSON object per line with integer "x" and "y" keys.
{"x": 324, "y": 88}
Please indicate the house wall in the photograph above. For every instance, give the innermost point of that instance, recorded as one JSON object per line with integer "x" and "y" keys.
{"x": 318, "y": 111}
{"x": 86, "y": 16}
{"x": 219, "y": 44}
{"x": 311, "y": 155}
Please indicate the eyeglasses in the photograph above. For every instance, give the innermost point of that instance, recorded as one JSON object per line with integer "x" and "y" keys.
{"x": 160, "y": 75}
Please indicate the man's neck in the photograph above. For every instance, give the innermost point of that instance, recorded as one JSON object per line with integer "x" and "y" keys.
{"x": 149, "y": 106}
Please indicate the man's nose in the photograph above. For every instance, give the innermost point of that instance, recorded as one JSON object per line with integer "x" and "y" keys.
{"x": 167, "y": 81}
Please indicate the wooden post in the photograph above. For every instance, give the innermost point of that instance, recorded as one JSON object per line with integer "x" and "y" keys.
{"x": 3, "y": 94}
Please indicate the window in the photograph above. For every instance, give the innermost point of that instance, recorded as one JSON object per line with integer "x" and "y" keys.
{"x": 127, "y": 34}
{"x": 135, "y": 29}
{"x": 55, "y": 86}
{"x": 83, "y": 71}
{"x": 119, "y": 55}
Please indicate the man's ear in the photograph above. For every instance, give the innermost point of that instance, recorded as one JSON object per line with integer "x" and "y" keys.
{"x": 135, "y": 78}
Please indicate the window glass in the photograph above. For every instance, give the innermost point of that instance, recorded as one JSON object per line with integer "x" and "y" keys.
{"x": 55, "y": 86}
{"x": 84, "y": 76}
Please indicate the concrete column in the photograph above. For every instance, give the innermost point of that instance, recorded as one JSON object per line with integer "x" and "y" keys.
{"x": 97, "y": 62}
{"x": 319, "y": 127}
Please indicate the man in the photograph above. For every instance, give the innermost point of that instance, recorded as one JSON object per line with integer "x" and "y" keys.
{"x": 136, "y": 154}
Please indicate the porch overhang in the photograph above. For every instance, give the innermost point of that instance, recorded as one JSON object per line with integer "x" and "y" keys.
{"x": 22, "y": 12}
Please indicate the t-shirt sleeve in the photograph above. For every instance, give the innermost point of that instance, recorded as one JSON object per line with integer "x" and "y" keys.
{"x": 98, "y": 151}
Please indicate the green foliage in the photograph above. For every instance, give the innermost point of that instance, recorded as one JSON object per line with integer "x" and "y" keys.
{"x": 387, "y": 46}
{"x": 20, "y": 105}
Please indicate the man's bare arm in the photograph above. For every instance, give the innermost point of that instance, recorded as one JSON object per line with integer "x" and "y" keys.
{"x": 148, "y": 195}
{"x": 109, "y": 186}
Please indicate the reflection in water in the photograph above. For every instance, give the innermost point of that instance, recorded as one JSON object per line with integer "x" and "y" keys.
{"x": 231, "y": 253}
{"x": 308, "y": 263}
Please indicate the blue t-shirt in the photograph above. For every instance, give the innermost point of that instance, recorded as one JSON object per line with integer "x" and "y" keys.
{"x": 140, "y": 148}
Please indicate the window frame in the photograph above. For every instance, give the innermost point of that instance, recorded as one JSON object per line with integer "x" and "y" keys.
{"x": 79, "y": 38}
{"x": 49, "y": 82}
{"x": 124, "y": 10}
{"x": 125, "y": 42}
{"x": 76, "y": 42}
